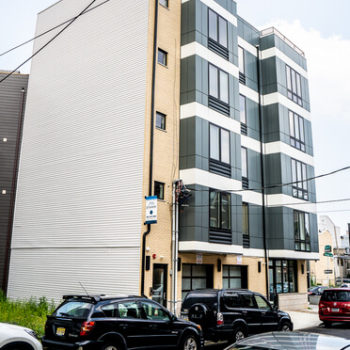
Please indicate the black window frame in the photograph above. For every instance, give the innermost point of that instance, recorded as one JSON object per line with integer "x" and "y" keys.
{"x": 245, "y": 179}
{"x": 161, "y": 185}
{"x": 163, "y": 116}
{"x": 301, "y": 245}
{"x": 214, "y": 43}
{"x": 242, "y": 277}
{"x": 209, "y": 277}
{"x": 242, "y": 75}
{"x": 244, "y": 128}
{"x": 299, "y": 186}
{"x": 246, "y": 235}
{"x": 220, "y": 144}
{"x": 292, "y": 91}
{"x": 219, "y": 228}
{"x": 165, "y": 55}
{"x": 297, "y": 142}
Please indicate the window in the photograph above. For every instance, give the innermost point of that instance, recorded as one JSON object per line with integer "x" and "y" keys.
{"x": 196, "y": 277}
{"x": 220, "y": 210}
{"x": 245, "y": 225}
{"x": 282, "y": 277}
{"x": 218, "y": 83}
{"x": 299, "y": 175}
{"x": 232, "y": 277}
{"x": 262, "y": 303}
{"x": 297, "y": 134}
{"x": 301, "y": 231}
{"x": 159, "y": 189}
{"x": 244, "y": 160}
{"x": 164, "y": 3}
{"x": 248, "y": 301}
{"x": 219, "y": 144}
{"x": 129, "y": 310}
{"x": 231, "y": 299}
{"x": 162, "y": 57}
{"x": 160, "y": 121}
{"x": 294, "y": 85}
{"x": 243, "y": 109}
{"x": 241, "y": 65}
{"x": 154, "y": 312}
{"x": 217, "y": 33}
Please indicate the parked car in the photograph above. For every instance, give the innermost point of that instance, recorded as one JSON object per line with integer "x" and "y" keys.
{"x": 233, "y": 314}
{"x": 334, "y": 306}
{"x": 117, "y": 323}
{"x": 317, "y": 290}
{"x": 345, "y": 285}
{"x": 291, "y": 341}
{"x": 18, "y": 338}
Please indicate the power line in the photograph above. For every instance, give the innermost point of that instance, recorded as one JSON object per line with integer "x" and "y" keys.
{"x": 49, "y": 30}
{"x": 50, "y": 41}
{"x": 277, "y": 185}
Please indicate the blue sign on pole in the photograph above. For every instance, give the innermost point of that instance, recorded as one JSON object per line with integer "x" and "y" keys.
{"x": 151, "y": 210}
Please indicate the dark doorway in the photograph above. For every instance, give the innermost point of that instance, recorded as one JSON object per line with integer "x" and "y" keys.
{"x": 159, "y": 286}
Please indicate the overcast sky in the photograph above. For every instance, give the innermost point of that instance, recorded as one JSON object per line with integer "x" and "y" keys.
{"x": 318, "y": 27}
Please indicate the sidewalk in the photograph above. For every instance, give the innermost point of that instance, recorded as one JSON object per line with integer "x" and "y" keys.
{"x": 306, "y": 318}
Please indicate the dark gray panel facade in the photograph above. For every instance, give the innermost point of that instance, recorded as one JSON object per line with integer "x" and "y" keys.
{"x": 12, "y": 102}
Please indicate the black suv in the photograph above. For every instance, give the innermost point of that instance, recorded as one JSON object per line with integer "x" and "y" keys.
{"x": 117, "y": 323}
{"x": 232, "y": 314}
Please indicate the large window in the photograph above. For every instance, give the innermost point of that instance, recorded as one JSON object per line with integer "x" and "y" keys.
{"x": 244, "y": 160}
{"x": 243, "y": 114}
{"x": 219, "y": 144}
{"x": 196, "y": 277}
{"x": 241, "y": 65}
{"x": 282, "y": 277}
{"x": 302, "y": 231}
{"x": 234, "y": 276}
{"x": 297, "y": 134}
{"x": 245, "y": 225}
{"x": 218, "y": 83}
{"x": 220, "y": 211}
{"x": 294, "y": 85}
{"x": 299, "y": 175}
{"x": 217, "y": 28}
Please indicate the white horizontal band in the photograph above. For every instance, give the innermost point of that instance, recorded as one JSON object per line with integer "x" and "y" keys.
{"x": 246, "y": 46}
{"x": 250, "y": 143}
{"x": 274, "y": 51}
{"x": 281, "y": 147}
{"x": 279, "y": 200}
{"x": 195, "y": 48}
{"x": 277, "y": 97}
{"x": 292, "y": 254}
{"x": 193, "y": 109}
{"x": 249, "y": 93}
{"x": 206, "y": 247}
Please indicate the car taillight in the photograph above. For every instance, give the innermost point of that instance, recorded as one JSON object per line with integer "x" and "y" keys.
{"x": 219, "y": 319}
{"x": 86, "y": 327}
{"x": 321, "y": 305}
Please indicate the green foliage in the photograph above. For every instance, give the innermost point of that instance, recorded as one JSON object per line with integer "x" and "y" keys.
{"x": 27, "y": 313}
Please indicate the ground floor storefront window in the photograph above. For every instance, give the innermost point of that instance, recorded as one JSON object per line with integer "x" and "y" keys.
{"x": 196, "y": 277}
{"x": 234, "y": 276}
{"x": 282, "y": 277}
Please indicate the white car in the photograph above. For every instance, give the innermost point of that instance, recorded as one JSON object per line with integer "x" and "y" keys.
{"x": 18, "y": 338}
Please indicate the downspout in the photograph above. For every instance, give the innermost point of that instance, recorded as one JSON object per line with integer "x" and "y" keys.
{"x": 262, "y": 176}
{"x": 13, "y": 193}
{"x": 146, "y": 233}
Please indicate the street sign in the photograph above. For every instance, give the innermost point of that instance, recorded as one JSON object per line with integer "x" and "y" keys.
{"x": 328, "y": 254}
{"x": 328, "y": 249}
{"x": 151, "y": 210}
{"x": 328, "y": 272}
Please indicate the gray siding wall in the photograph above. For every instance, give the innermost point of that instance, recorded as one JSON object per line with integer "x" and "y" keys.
{"x": 247, "y": 32}
{"x": 11, "y": 101}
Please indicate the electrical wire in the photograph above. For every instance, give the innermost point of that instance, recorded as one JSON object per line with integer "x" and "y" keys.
{"x": 49, "y": 30}
{"x": 47, "y": 43}
{"x": 277, "y": 185}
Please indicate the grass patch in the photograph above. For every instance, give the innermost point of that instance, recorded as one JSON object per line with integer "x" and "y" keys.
{"x": 27, "y": 313}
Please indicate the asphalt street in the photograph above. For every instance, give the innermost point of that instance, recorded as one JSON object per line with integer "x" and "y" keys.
{"x": 337, "y": 329}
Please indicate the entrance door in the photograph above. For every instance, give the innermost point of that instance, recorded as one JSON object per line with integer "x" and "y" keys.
{"x": 159, "y": 286}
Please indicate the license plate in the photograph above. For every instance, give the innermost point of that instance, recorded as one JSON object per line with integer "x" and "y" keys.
{"x": 335, "y": 310}
{"x": 60, "y": 331}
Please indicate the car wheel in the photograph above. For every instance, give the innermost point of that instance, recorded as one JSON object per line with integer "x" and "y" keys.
{"x": 111, "y": 346}
{"x": 286, "y": 327}
{"x": 327, "y": 324}
{"x": 238, "y": 333}
{"x": 189, "y": 343}
{"x": 17, "y": 346}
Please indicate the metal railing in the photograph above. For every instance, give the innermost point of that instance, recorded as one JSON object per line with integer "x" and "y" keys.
{"x": 273, "y": 30}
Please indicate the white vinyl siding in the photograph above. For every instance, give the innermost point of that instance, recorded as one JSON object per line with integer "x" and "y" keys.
{"x": 78, "y": 213}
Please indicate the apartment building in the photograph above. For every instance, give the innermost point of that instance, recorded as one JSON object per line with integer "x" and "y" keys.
{"x": 130, "y": 104}
{"x": 12, "y": 103}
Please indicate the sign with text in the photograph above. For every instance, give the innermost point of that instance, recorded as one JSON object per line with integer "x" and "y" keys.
{"x": 199, "y": 259}
{"x": 328, "y": 249}
{"x": 328, "y": 272}
{"x": 151, "y": 210}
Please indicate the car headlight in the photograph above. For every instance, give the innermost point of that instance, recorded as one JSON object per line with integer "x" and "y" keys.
{"x": 32, "y": 333}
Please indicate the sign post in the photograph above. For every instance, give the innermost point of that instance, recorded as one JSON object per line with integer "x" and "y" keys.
{"x": 151, "y": 210}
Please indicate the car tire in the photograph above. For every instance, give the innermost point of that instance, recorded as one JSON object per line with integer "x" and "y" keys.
{"x": 189, "y": 342}
{"x": 238, "y": 333}
{"x": 327, "y": 324}
{"x": 17, "y": 346}
{"x": 286, "y": 327}
{"x": 111, "y": 346}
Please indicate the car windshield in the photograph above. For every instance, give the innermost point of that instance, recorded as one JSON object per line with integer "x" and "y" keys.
{"x": 74, "y": 309}
{"x": 336, "y": 295}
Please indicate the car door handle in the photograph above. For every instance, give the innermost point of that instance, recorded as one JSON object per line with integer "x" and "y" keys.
{"x": 244, "y": 312}
{"x": 152, "y": 326}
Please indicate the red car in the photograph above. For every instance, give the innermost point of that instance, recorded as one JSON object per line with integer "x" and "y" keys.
{"x": 334, "y": 306}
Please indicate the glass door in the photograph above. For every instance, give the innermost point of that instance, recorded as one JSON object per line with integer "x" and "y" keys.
{"x": 159, "y": 286}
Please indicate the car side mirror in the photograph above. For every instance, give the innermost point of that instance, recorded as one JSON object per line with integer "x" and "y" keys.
{"x": 275, "y": 308}
{"x": 173, "y": 318}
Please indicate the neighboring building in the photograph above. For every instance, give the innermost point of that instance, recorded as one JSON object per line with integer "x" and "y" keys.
{"x": 322, "y": 272}
{"x": 12, "y": 102}
{"x": 240, "y": 116}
